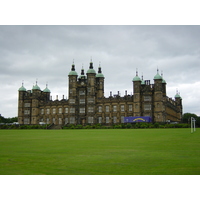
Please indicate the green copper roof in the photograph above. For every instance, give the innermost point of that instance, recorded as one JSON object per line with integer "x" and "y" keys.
{"x": 22, "y": 88}
{"x": 91, "y": 71}
{"x": 73, "y": 73}
{"x": 46, "y": 90}
{"x": 82, "y": 76}
{"x": 100, "y": 75}
{"x": 136, "y": 78}
{"x": 163, "y": 81}
{"x": 157, "y": 76}
{"x": 143, "y": 82}
{"x": 177, "y": 96}
{"x": 36, "y": 87}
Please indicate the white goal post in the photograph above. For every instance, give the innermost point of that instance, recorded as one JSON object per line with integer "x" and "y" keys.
{"x": 193, "y": 128}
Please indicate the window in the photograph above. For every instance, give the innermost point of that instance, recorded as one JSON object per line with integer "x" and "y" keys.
{"x": 122, "y": 108}
{"x": 48, "y": 111}
{"x": 114, "y": 108}
{"x": 54, "y": 120}
{"x": 81, "y": 92}
{"x": 90, "y": 120}
{"x": 66, "y": 110}
{"x": 72, "y": 120}
{"x": 26, "y": 121}
{"x": 90, "y": 109}
{"x": 82, "y": 101}
{"x": 122, "y": 119}
{"x": 100, "y": 108}
{"x": 107, "y": 108}
{"x": 60, "y": 110}
{"x": 60, "y": 120}
{"x": 26, "y": 112}
{"x": 99, "y": 120}
{"x": 42, "y": 111}
{"x": 54, "y": 111}
{"x": 82, "y": 110}
{"x": 72, "y": 101}
{"x": 47, "y": 120}
{"x": 114, "y": 119}
{"x": 27, "y": 105}
{"x": 130, "y": 108}
{"x": 91, "y": 100}
{"x": 147, "y": 98}
{"x": 107, "y": 120}
{"x": 147, "y": 106}
{"x": 72, "y": 110}
{"x": 66, "y": 121}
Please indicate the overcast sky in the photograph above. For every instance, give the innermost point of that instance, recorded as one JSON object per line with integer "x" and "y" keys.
{"x": 46, "y": 53}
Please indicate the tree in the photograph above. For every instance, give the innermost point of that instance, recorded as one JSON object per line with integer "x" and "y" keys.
{"x": 187, "y": 117}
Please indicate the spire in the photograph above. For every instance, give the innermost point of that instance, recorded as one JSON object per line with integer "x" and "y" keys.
{"x": 82, "y": 71}
{"x": 91, "y": 64}
{"x": 22, "y": 88}
{"x": 73, "y": 66}
{"x": 99, "y": 69}
{"x": 136, "y": 78}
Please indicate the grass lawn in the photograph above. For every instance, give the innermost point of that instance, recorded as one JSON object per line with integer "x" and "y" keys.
{"x": 100, "y": 151}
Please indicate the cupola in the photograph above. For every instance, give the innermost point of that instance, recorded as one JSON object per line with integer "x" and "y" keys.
{"x": 46, "y": 89}
{"x": 99, "y": 75}
{"x": 73, "y": 72}
{"x": 36, "y": 87}
{"x": 22, "y": 88}
{"x": 136, "y": 78}
{"x": 157, "y": 76}
{"x": 91, "y": 70}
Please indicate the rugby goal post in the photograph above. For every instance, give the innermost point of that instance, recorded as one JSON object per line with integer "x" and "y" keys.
{"x": 193, "y": 128}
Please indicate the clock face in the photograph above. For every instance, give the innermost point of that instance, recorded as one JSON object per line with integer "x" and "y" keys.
{"x": 82, "y": 83}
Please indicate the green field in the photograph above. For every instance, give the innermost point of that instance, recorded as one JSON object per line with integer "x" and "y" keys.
{"x": 100, "y": 151}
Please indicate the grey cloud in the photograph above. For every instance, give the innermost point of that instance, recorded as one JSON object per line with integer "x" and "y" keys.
{"x": 46, "y": 53}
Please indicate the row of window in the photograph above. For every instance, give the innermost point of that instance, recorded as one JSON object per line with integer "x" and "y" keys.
{"x": 82, "y": 110}
{"x": 90, "y": 109}
{"x": 71, "y": 120}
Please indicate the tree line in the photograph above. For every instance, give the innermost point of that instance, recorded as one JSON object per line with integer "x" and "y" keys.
{"x": 8, "y": 120}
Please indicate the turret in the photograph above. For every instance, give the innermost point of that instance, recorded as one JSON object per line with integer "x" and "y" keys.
{"x": 35, "y": 104}
{"x": 137, "y": 94}
{"x": 21, "y": 95}
{"x": 158, "y": 99}
{"x": 100, "y": 83}
{"x": 178, "y": 100}
{"x": 73, "y": 95}
{"x": 47, "y": 92}
{"x": 72, "y": 82}
{"x": 163, "y": 85}
{"x": 91, "y": 91}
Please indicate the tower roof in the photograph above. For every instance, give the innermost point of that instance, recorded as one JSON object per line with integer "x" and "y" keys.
{"x": 136, "y": 78}
{"x": 46, "y": 89}
{"x": 99, "y": 75}
{"x": 22, "y": 88}
{"x": 143, "y": 82}
{"x": 82, "y": 74}
{"x": 36, "y": 87}
{"x": 73, "y": 72}
{"x": 157, "y": 76}
{"x": 177, "y": 95}
{"x": 163, "y": 80}
{"x": 91, "y": 70}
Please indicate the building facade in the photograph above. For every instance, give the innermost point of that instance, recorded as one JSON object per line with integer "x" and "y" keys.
{"x": 86, "y": 103}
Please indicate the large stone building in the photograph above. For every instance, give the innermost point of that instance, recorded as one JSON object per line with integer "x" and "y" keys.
{"x": 88, "y": 105}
